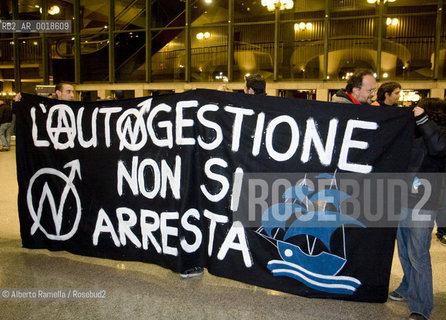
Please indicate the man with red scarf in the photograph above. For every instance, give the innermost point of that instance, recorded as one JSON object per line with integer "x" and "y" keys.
{"x": 360, "y": 89}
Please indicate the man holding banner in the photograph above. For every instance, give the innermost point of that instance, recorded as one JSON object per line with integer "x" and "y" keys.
{"x": 389, "y": 94}
{"x": 416, "y": 224}
{"x": 360, "y": 89}
{"x": 64, "y": 91}
{"x": 255, "y": 84}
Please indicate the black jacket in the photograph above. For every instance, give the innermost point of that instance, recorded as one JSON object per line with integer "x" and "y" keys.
{"x": 5, "y": 113}
{"x": 427, "y": 159}
{"x": 434, "y": 136}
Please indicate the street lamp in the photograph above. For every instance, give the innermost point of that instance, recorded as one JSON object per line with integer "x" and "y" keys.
{"x": 272, "y": 5}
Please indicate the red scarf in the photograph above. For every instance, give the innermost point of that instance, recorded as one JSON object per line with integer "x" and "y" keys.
{"x": 353, "y": 99}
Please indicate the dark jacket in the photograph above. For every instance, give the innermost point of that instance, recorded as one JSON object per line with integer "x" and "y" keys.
{"x": 427, "y": 159}
{"x": 5, "y": 113}
{"x": 434, "y": 136}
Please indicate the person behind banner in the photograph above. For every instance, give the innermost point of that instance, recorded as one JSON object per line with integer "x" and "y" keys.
{"x": 6, "y": 126}
{"x": 360, "y": 89}
{"x": 65, "y": 91}
{"x": 415, "y": 225}
{"x": 389, "y": 94}
{"x": 255, "y": 84}
{"x": 436, "y": 109}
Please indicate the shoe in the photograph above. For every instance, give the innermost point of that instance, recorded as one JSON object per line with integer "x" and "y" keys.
{"x": 442, "y": 240}
{"x": 395, "y": 296}
{"x": 417, "y": 316}
{"x": 193, "y": 272}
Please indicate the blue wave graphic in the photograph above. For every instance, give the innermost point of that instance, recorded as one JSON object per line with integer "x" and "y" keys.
{"x": 323, "y": 263}
{"x": 325, "y": 283}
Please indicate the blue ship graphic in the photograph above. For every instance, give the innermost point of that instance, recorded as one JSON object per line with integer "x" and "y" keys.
{"x": 317, "y": 216}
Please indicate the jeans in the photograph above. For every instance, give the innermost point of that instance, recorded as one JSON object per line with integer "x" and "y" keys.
{"x": 414, "y": 241}
{"x": 5, "y": 134}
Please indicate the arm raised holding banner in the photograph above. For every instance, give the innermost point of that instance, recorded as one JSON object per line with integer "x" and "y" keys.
{"x": 434, "y": 137}
{"x": 417, "y": 220}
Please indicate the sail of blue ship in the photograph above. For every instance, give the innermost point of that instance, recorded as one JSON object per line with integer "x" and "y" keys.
{"x": 318, "y": 271}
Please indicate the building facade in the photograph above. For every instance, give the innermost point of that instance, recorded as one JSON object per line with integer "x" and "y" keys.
{"x": 141, "y": 47}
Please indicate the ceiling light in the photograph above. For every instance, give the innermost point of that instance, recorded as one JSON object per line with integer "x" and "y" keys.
{"x": 54, "y": 10}
{"x": 393, "y": 22}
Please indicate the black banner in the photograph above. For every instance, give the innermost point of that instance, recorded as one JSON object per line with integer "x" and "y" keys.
{"x": 162, "y": 180}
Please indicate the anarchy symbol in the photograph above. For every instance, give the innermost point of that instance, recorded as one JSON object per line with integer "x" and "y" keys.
{"x": 47, "y": 195}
